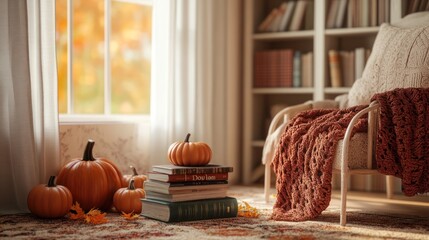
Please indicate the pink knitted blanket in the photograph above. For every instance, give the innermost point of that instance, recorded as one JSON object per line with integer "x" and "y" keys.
{"x": 402, "y": 148}
{"x": 303, "y": 161}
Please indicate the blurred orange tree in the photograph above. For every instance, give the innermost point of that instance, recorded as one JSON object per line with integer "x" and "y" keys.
{"x": 130, "y": 57}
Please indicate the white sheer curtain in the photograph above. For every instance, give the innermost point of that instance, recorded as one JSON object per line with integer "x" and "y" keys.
{"x": 29, "y": 142}
{"x": 196, "y": 77}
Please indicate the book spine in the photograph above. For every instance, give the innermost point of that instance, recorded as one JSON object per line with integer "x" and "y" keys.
{"x": 202, "y": 171}
{"x": 197, "y": 183}
{"x": 297, "y": 69}
{"x": 334, "y": 66}
{"x": 198, "y": 177}
{"x": 200, "y": 210}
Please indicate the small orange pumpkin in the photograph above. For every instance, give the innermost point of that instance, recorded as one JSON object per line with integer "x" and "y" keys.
{"x": 128, "y": 200}
{"x": 49, "y": 200}
{"x": 92, "y": 181}
{"x": 189, "y": 153}
{"x": 138, "y": 179}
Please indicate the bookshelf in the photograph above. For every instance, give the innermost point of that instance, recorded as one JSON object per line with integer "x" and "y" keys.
{"x": 260, "y": 102}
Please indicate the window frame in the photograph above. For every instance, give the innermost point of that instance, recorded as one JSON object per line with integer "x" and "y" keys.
{"x": 107, "y": 116}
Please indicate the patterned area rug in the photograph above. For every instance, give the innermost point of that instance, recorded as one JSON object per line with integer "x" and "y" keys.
{"x": 362, "y": 224}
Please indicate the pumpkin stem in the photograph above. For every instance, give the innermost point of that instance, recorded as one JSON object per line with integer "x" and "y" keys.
{"x": 131, "y": 185}
{"x": 187, "y": 137}
{"x": 87, "y": 155}
{"x": 134, "y": 171}
{"x": 51, "y": 182}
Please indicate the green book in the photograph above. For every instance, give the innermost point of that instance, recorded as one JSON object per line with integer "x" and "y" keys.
{"x": 190, "y": 210}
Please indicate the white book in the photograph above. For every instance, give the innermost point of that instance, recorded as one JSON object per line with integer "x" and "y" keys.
{"x": 341, "y": 13}
{"x": 359, "y": 62}
{"x": 276, "y": 22}
{"x": 286, "y": 18}
{"x": 298, "y": 15}
{"x": 333, "y": 9}
{"x": 387, "y": 16}
{"x": 364, "y": 13}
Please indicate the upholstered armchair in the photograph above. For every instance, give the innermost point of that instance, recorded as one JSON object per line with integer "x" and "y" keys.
{"x": 399, "y": 59}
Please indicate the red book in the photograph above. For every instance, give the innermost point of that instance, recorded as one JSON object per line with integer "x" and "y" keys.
{"x": 187, "y": 177}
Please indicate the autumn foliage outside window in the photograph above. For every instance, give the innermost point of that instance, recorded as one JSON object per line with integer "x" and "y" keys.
{"x": 128, "y": 75}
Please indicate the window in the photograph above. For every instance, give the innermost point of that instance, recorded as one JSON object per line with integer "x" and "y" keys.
{"x": 104, "y": 56}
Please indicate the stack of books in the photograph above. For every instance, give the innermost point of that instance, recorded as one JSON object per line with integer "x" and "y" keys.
{"x": 176, "y": 193}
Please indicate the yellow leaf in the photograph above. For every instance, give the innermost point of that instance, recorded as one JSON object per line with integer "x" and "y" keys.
{"x": 245, "y": 210}
{"x": 130, "y": 216}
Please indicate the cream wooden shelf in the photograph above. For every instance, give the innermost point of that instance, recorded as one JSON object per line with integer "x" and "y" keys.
{"x": 351, "y": 31}
{"x": 283, "y": 90}
{"x": 284, "y": 35}
{"x": 258, "y": 143}
{"x": 339, "y": 90}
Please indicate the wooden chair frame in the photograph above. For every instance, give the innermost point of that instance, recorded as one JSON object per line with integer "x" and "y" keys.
{"x": 372, "y": 111}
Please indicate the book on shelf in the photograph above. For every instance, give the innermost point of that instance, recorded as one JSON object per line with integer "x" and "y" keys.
{"x": 341, "y": 13}
{"x": 190, "y": 196}
{"x": 183, "y": 187}
{"x": 292, "y": 15}
{"x": 364, "y": 11}
{"x": 297, "y": 69}
{"x": 347, "y": 63}
{"x": 335, "y": 68}
{"x": 309, "y": 16}
{"x": 357, "y": 13}
{"x": 298, "y": 15}
{"x": 287, "y": 16}
{"x": 359, "y": 62}
{"x": 190, "y": 211}
{"x": 285, "y": 68}
{"x": 307, "y": 69}
{"x": 332, "y": 13}
{"x": 273, "y": 68}
{"x": 265, "y": 25}
{"x": 209, "y": 168}
{"x": 187, "y": 177}
{"x": 275, "y": 24}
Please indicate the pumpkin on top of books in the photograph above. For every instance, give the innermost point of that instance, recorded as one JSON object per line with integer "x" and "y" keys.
{"x": 189, "y": 153}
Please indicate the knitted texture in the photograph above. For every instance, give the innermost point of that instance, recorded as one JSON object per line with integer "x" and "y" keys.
{"x": 303, "y": 161}
{"x": 402, "y": 148}
{"x": 399, "y": 59}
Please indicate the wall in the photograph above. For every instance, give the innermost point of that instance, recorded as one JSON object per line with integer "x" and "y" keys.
{"x": 123, "y": 143}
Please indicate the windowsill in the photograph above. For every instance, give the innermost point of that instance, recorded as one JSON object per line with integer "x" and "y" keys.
{"x": 80, "y": 119}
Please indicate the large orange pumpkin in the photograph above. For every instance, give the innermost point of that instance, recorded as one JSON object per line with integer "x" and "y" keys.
{"x": 49, "y": 200}
{"x": 128, "y": 200}
{"x": 189, "y": 153}
{"x": 92, "y": 181}
{"x": 138, "y": 179}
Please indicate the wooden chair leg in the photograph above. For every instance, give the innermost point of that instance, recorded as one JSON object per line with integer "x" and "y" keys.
{"x": 267, "y": 182}
{"x": 343, "y": 213}
{"x": 389, "y": 186}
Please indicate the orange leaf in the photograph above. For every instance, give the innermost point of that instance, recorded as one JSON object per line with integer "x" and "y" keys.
{"x": 76, "y": 212}
{"x": 130, "y": 216}
{"x": 95, "y": 216}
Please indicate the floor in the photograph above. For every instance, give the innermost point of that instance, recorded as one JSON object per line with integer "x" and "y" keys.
{"x": 375, "y": 202}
